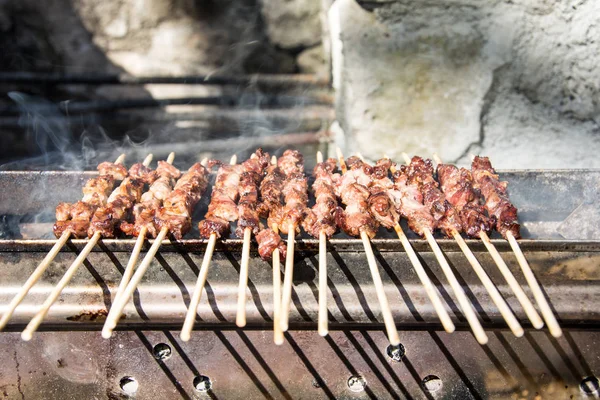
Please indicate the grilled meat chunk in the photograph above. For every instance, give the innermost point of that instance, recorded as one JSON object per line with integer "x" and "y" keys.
{"x": 496, "y": 198}
{"x": 268, "y": 241}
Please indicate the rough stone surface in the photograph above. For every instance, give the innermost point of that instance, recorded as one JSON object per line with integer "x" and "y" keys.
{"x": 312, "y": 61}
{"x": 139, "y": 36}
{"x": 514, "y": 80}
{"x": 293, "y": 23}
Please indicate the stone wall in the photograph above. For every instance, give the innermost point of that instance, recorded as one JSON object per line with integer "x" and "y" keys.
{"x": 161, "y": 36}
{"x": 512, "y": 79}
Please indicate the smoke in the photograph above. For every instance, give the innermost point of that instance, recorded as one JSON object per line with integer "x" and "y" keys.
{"x": 48, "y": 132}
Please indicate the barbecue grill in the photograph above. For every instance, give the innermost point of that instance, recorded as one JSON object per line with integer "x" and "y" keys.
{"x": 145, "y": 357}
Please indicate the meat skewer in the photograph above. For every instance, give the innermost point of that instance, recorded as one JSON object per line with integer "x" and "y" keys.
{"x": 270, "y": 245}
{"x": 384, "y": 205}
{"x": 41, "y": 268}
{"x": 460, "y": 192}
{"x": 498, "y": 205}
{"x": 416, "y": 171}
{"x": 118, "y": 203}
{"x": 295, "y": 192}
{"x": 248, "y": 220}
{"x": 222, "y": 205}
{"x": 144, "y": 211}
{"x": 320, "y": 223}
{"x": 173, "y": 217}
{"x": 355, "y": 221}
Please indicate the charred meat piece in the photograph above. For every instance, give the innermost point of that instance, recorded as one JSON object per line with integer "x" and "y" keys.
{"x": 117, "y": 172}
{"x": 268, "y": 241}
{"x": 321, "y": 218}
{"x": 445, "y": 216}
{"x": 75, "y": 218}
{"x": 176, "y": 212}
{"x": 120, "y": 203}
{"x": 271, "y": 190}
{"x": 222, "y": 208}
{"x": 495, "y": 195}
{"x": 457, "y": 185}
{"x": 250, "y": 180}
{"x": 295, "y": 190}
{"x": 384, "y": 202}
{"x": 418, "y": 215}
{"x": 142, "y": 173}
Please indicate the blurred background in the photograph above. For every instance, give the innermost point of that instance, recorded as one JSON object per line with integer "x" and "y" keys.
{"x": 82, "y": 80}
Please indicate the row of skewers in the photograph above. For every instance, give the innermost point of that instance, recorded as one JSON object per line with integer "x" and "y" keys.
{"x": 357, "y": 200}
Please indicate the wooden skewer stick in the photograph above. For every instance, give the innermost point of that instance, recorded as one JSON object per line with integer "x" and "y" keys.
{"x": 323, "y": 322}
{"x": 464, "y": 303}
{"x": 119, "y": 304}
{"x": 35, "y": 322}
{"x": 240, "y": 319}
{"x": 135, "y": 254}
{"x": 498, "y": 300}
{"x": 278, "y": 337}
{"x": 286, "y": 298}
{"x": 530, "y": 310}
{"x": 190, "y": 316}
{"x": 39, "y": 271}
{"x": 425, "y": 281}
{"x": 535, "y": 288}
{"x": 388, "y": 318}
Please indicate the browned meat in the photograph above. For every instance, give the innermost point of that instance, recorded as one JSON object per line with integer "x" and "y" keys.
{"x": 384, "y": 203}
{"x": 216, "y": 225}
{"x": 78, "y": 228}
{"x": 250, "y": 179}
{"x": 268, "y": 241}
{"x": 97, "y": 190}
{"x": 164, "y": 169}
{"x": 296, "y": 199}
{"x": 222, "y": 207}
{"x": 496, "y": 198}
{"x": 355, "y": 217}
{"x": 457, "y": 185}
{"x": 445, "y": 216}
{"x": 176, "y": 211}
{"x": 63, "y": 211}
{"x": 76, "y": 217}
{"x": 140, "y": 172}
{"x": 322, "y": 216}
{"x": 117, "y": 172}
{"x": 271, "y": 190}
{"x": 120, "y": 203}
{"x": 276, "y": 215}
{"x": 412, "y": 207}
{"x": 291, "y": 162}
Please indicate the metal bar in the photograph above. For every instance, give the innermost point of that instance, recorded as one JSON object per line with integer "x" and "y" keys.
{"x": 164, "y": 292}
{"x": 249, "y": 101}
{"x": 279, "y": 80}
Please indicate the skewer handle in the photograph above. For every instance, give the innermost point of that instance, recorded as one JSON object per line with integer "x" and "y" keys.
{"x": 190, "y": 317}
{"x": 429, "y": 288}
{"x": 388, "y": 318}
{"x": 465, "y": 305}
{"x": 323, "y": 328}
{"x": 33, "y": 278}
{"x": 504, "y": 309}
{"x": 288, "y": 279}
{"x": 120, "y": 159}
{"x": 135, "y": 255}
{"x": 278, "y": 337}
{"x": 171, "y": 157}
{"x": 535, "y": 288}
{"x": 530, "y": 310}
{"x": 340, "y": 155}
{"x": 115, "y": 312}
{"x": 240, "y": 320}
{"x": 35, "y": 322}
